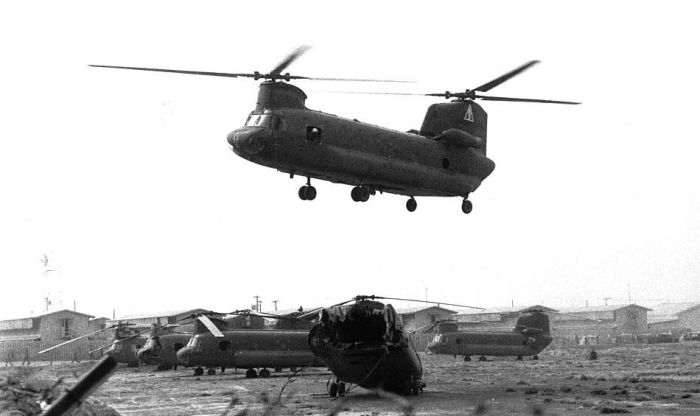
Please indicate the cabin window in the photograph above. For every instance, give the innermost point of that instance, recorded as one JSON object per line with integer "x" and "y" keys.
{"x": 225, "y": 345}
{"x": 313, "y": 133}
{"x": 445, "y": 163}
{"x": 178, "y": 346}
{"x": 458, "y": 341}
{"x": 279, "y": 124}
{"x": 444, "y": 340}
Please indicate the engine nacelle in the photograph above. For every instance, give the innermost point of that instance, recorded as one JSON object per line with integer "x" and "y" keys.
{"x": 456, "y": 137}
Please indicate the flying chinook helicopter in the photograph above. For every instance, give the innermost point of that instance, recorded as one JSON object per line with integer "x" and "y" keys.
{"x": 447, "y": 157}
{"x": 365, "y": 344}
{"x": 529, "y": 337}
{"x": 214, "y": 345}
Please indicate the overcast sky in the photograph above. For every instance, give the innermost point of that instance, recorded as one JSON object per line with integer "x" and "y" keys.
{"x": 125, "y": 179}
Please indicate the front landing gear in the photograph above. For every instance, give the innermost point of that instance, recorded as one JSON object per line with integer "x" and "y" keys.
{"x": 307, "y": 192}
{"x": 466, "y": 206}
{"x": 411, "y": 204}
{"x": 336, "y": 388}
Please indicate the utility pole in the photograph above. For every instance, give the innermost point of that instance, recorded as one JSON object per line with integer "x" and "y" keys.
{"x": 258, "y": 303}
{"x": 275, "y": 302}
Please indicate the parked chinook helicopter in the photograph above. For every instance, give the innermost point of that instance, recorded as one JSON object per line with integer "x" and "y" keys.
{"x": 216, "y": 344}
{"x": 446, "y": 157}
{"x": 128, "y": 338}
{"x": 365, "y": 344}
{"x": 529, "y": 337}
{"x": 162, "y": 346}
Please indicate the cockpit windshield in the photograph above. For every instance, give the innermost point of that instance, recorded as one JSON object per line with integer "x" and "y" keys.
{"x": 266, "y": 120}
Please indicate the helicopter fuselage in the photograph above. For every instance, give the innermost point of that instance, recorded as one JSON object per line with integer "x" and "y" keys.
{"x": 294, "y": 139}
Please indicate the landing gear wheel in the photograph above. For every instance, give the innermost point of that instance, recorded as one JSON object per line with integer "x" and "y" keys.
{"x": 265, "y": 373}
{"x": 467, "y": 358}
{"x": 466, "y": 206}
{"x": 360, "y": 194}
{"x": 482, "y": 358}
{"x": 302, "y": 193}
{"x": 363, "y": 194}
{"x": 198, "y": 371}
{"x": 211, "y": 372}
{"x": 416, "y": 387}
{"x": 251, "y": 373}
{"x": 333, "y": 389}
{"x": 341, "y": 389}
{"x": 519, "y": 358}
{"x": 411, "y": 205}
{"x": 535, "y": 357}
{"x": 310, "y": 193}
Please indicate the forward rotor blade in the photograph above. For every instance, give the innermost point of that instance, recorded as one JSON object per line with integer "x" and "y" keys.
{"x": 524, "y": 100}
{"x": 377, "y": 92}
{"x": 351, "y": 79}
{"x": 73, "y": 340}
{"x": 210, "y": 326}
{"x": 177, "y": 71}
{"x": 430, "y": 326}
{"x": 505, "y": 77}
{"x": 136, "y": 335}
{"x": 296, "y": 53}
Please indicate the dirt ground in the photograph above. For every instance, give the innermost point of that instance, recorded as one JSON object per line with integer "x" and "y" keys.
{"x": 640, "y": 380}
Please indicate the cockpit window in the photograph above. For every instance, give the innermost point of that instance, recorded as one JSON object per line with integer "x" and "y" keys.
{"x": 266, "y": 120}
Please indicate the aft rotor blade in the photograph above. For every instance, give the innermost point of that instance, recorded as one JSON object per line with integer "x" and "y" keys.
{"x": 296, "y": 53}
{"x": 210, "y": 326}
{"x": 73, "y": 340}
{"x": 505, "y": 77}
{"x": 427, "y": 301}
{"x": 524, "y": 100}
{"x": 176, "y": 71}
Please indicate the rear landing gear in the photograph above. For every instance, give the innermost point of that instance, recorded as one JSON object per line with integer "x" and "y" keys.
{"x": 251, "y": 373}
{"x": 466, "y": 206}
{"x": 198, "y": 371}
{"x": 467, "y": 358}
{"x": 535, "y": 357}
{"x": 307, "y": 192}
{"x": 411, "y": 204}
{"x": 211, "y": 372}
{"x": 264, "y": 373}
{"x": 360, "y": 194}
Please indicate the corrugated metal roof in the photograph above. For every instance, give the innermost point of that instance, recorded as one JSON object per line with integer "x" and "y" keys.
{"x": 672, "y": 308}
{"x": 601, "y": 308}
{"x": 506, "y": 310}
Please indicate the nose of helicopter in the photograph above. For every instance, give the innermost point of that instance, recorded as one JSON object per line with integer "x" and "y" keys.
{"x": 247, "y": 142}
{"x": 184, "y": 355}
